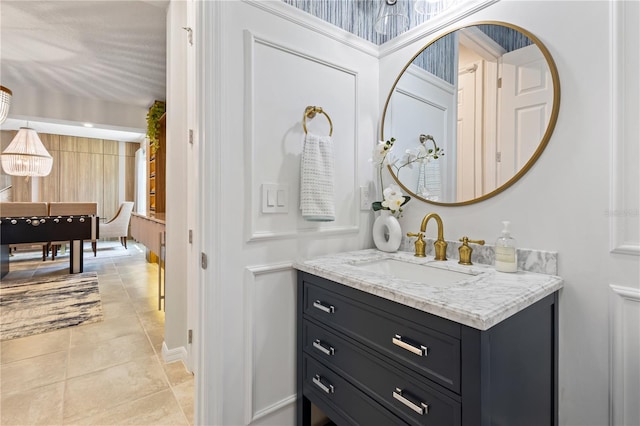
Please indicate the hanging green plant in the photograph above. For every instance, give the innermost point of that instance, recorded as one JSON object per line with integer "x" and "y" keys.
{"x": 153, "y": 123}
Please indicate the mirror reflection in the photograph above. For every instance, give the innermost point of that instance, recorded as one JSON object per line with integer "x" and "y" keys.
{"x": 486, "y": 97}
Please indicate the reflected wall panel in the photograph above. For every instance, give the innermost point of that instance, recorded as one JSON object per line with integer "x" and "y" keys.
{"x": 5, "y": 179}
{"x": 94, "y": 146}
{"x": 49, "y": 185}
{"x": 130, "y": 177}
{"x": 68, "y": 144}
{"x": 21, "y": 189}
{"x": 130, "y": 149}
{"x": 51, "y": 142}
{"x": 83, "y": 169}
{"x": 68, "y": 182}
{"x": 89, "y": 169}
{"x": 110, "y": 147}
{"x": 110, "y": 189}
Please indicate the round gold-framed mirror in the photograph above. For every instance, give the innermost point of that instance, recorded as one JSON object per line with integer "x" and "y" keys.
{"x": 471, "y": 113}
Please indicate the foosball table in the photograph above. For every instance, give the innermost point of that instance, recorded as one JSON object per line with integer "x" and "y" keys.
{"x": 75, "y": 229}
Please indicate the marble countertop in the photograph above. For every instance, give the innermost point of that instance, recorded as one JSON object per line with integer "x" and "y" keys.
{"x": 481, "y": 300}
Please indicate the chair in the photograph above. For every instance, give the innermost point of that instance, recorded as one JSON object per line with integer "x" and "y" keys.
{"x": 20, "y": 209}
{"x": 119, "y": 225}
{"x": 72, "y": 209}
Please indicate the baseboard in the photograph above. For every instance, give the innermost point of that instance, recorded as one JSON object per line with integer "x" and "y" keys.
{"x": 175, "y": 354}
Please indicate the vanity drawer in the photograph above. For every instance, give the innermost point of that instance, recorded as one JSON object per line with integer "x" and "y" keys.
{"x": 406, "y": 396}
{"x": 329, "y": 389}
{"x": 433, "y": 354}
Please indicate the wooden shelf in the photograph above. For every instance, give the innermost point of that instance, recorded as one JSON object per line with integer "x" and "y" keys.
{"x": 156, "y": 166}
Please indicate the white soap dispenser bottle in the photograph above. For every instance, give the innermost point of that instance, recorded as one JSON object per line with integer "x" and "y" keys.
{"x": 506, "y": 255}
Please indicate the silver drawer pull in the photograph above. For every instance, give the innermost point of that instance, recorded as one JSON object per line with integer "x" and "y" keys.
{"x": 420, "y": 408}
{"x": 318, "y": 382}
{"x": 319, "y": 346}
{"x": 420, "y": 351}
{"x": 319, "y": 305}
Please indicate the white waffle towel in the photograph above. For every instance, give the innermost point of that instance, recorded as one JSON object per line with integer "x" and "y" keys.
{"x": 316, "y": 183}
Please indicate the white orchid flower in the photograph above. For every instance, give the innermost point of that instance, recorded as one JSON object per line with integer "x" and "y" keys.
{"x": 379, "y": 153}
{"x": 393, "y": 198}
{"x": 410, "y": 157}
{"x": 391, "y": 191}
{"x": 424, "y": 156}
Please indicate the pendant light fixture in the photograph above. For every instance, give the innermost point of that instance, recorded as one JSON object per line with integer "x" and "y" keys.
{"x": 431, "y": 8}
{"x": 26, "y": 155}
{"x": 5, "y": 103}
{"x": 392, "y": 17}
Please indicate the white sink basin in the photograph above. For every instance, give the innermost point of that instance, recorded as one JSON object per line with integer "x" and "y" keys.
{"x": 422, "y": 273}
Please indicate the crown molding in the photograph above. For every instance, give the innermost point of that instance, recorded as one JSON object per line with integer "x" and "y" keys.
{"x": 433, "y": 26}
{"x": 310, "y": 22}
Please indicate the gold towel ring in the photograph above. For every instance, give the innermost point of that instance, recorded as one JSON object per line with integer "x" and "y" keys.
{"x": 311, "y": 112}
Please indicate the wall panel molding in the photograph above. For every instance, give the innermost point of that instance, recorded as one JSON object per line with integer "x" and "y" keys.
{"x": 624, "y": 355}
{"x": 270, "y": 235}
{"x": 253, "y": 272}
{"x": 251, "y": 140}
{"x": 624, "y": 208}
{"x": 275, "y": 407}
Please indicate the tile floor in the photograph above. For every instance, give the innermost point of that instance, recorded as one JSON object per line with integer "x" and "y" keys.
{"x": 106, "y": 373}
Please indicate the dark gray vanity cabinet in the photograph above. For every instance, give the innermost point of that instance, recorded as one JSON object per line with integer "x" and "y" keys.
{"x": 365, "y": 360}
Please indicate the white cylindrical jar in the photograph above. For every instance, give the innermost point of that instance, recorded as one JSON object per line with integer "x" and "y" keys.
{"x": 387, "y": 234}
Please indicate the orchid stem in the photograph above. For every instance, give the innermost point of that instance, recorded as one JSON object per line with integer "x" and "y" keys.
{"x": 381, "y": 184}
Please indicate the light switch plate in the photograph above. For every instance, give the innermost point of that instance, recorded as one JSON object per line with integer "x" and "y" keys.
{"x": 365, "y": 198}
{"x": 275, "y": 198}
{"x": 281, "y": 197}
{"x": 271, "y": 198}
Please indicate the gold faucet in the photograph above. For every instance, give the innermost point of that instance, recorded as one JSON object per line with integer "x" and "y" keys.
{"x": 465, "y": 250}
{"x": 440, "y": 244}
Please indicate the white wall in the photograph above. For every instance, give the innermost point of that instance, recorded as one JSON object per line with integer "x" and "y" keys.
{"x": 580, "y": 198}
{"x": 577, "y": 199}
{"x": 177, "y": 204}
{"x": 268, "y": 62}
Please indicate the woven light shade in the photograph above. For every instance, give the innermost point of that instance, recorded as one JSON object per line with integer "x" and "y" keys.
{"x": 26, "y": 155}
{"x": 5, "y": 103}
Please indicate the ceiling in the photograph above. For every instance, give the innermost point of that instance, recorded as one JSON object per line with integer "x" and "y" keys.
{"x": 112, "y": 51}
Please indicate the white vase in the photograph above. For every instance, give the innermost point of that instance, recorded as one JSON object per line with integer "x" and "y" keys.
{"x": 387, "y": 234}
